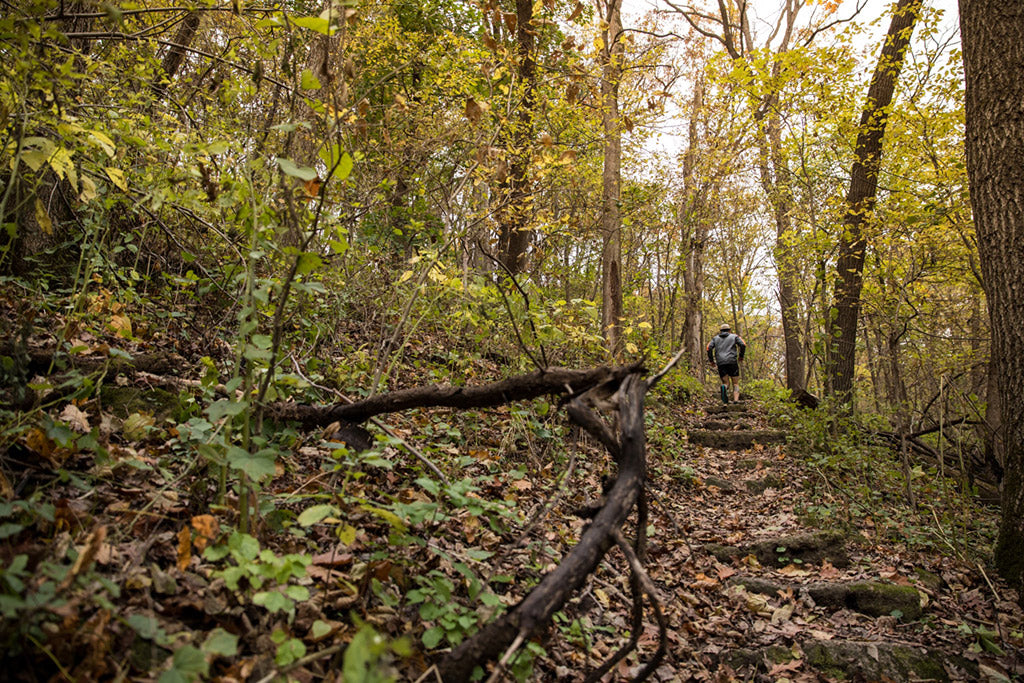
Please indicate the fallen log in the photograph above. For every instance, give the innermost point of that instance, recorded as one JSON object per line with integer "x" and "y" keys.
{"x": 538, "y": 383}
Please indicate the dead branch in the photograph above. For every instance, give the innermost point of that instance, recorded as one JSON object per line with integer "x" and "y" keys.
{"x": 519, "y": 388}
{"x": 537, "y": 608}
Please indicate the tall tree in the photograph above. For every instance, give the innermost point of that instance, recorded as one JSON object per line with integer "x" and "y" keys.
{"x": 696, "y": 234}
{"x": 612, "y": 55}
{"x": 860, "y": 199}
{"x": 514, "y": 233}
{"x": 993, "y": 49}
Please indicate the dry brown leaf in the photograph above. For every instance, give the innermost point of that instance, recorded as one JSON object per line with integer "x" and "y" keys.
{"x": 782, "y": 614}
{"x": 76, "y": 419}
{"x": 793, "y": 570}
{"x": 85, "y": 555}
{"x": 724, "y": 572}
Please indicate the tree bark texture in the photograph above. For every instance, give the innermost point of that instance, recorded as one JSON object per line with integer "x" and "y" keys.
{"x": 175, "y": 54}
{"x": 514, "y": 234}
{"x": 860, "y": 199}
{"x": 992, "y": 32}
{"x": 611, "y": 181}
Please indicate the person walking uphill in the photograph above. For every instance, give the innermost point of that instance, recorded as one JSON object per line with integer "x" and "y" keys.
{"x": 726, "y": 351}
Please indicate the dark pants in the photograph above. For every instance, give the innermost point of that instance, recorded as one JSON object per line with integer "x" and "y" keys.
{"x": 728, "y": 369}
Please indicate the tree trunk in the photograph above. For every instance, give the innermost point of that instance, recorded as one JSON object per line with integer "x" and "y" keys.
{"x": 774, "y": 171}
{"x": 514, "y": 233}
{"x": 993, "y": 35}
{"x": 696, "y": 231}
{"x": 175, "y": 54}
{"x": 611, "y": 217}
{"x": 860, "y": 199}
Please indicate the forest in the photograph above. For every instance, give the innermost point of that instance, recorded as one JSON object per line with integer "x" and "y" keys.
{"x": 374, "y": 340}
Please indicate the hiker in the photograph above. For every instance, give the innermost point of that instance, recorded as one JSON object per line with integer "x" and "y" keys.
{"x": 726, "y": 351}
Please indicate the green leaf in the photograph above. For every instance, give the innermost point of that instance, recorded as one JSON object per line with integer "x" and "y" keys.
{"x": 309, "y": 81}
{"x": 190, "y": 662}
{"x": 288, "y": 167}
{"x": 315, "y": 513}
{"x": 274, "y": 601}
{"x": 316, "y": 24}
{"x": 225, "y": 407}
{"x": 432, "y": 637}
{"x": 262, "y": 341}
{"x": 344, "y": 167}
{"x": 297, "y": 593}
{"x": 289, "y": 651}
{"x": 220, "y": 642}
{"x": 247, "y": 547}
{"x": 319, "y": 629}
{"x": 308, "y": 263}
{"x": 8, "y": 529}
{"x": 255, "y": 465}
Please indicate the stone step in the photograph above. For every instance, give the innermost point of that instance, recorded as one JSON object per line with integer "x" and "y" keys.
{"x": 726, "y": 425}
{"x": 873, "y": 598}
{"x": 855, "y": 660}
{"x": 735, "y": 440}
{"x": 778, "y": 552}
{"x": 727, "y": 408}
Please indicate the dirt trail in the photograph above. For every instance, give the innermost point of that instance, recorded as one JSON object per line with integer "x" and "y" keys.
{"x": 755, "y": 594}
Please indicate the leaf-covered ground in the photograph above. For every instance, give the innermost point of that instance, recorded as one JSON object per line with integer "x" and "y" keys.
{"x": 119, "y": 562}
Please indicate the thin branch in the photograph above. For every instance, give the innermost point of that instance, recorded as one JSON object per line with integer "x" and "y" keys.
{"x": 127, "y": 37}
{"x": 652, "y": 594}
{"x": 526, "y": 299}
{"x": 499, "y": 671}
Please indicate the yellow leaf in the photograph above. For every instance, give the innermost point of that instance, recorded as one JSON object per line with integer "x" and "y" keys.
{"x": 602, "y": 597}
{"x": 105, "y": 143}
{"x": 88, "y": 192}
{"x": 347, "y": 534}
{"x": 43, "y": 218}
{"x": 116, "y": 176}
{"x": 405, "y": 276}
{"x": 631, "y": 347}
{"x": 121, "y": 324}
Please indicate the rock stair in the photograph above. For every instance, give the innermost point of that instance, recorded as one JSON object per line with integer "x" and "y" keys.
{"x": 732, "y": 429}
{"x": 798, "y": 579}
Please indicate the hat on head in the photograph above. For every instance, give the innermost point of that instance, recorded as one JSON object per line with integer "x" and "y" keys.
{"x": 725, "y": 327}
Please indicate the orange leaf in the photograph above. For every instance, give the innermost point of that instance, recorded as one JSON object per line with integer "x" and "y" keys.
{"x": 207, "y": 527}
{"x": 184, "y": 548}
{"x": 312, "y": 187}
